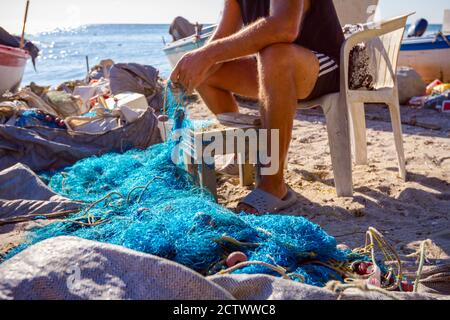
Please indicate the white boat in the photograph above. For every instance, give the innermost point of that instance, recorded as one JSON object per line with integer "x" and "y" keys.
{"x": 175, "y": 50}
{"x": 12, "y": 67}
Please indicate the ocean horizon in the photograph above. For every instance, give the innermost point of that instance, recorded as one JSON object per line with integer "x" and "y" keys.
{"x": 63, "y": 51}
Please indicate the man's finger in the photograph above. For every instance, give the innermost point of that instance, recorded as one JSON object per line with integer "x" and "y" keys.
{"x": 175, "y": 75}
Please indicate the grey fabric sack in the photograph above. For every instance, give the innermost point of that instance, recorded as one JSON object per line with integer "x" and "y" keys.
{"x": 44, "y": 149}
{"x": 22, "y": 193}
{"x": 73, "y": 268}
{"x": 137, "y": 78}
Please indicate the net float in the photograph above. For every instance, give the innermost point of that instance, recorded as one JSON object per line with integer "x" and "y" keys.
{"x": 236, "y": 258}
{"x": 407, "y": 286}
{"x": 343, "y": 247}
{"x": 363, "y": 268}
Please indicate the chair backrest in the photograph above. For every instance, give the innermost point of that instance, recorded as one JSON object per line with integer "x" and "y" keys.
{"x": 383, "y": 40}
{"x": 356, "y": 11}
{"x": 446, "y": 25}
{"x": 386, "y": 53}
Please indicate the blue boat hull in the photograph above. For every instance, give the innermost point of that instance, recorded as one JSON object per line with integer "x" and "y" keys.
{"x": 426, "y": 43}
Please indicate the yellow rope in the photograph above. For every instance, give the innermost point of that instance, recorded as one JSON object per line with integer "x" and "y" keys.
{"x": 282, "y": 271}
{"x": 423, "y": 248}
{"x": 338, "y": 287}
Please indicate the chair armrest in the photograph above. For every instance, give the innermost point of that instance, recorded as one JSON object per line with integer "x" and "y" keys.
{"x": 372, "y": 31}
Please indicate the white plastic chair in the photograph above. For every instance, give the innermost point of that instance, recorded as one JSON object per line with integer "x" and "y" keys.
{"x": 355, "y": 11}
{"x": 386, "y": 37}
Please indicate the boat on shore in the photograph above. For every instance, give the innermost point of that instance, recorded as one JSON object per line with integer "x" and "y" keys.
{"x": 12, "y": 67}
{"x": 174, "y": 51}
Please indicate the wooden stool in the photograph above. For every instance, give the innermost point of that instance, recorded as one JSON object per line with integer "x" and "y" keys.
{"x": 195, "y": 142}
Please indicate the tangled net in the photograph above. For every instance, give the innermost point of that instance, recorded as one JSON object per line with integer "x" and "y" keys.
{"x": 143, "y": 201}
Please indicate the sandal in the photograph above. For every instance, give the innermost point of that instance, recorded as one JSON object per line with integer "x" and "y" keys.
{"x": 264, "y": 202}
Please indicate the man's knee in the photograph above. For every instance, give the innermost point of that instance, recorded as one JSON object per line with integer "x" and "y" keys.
{"x": 276, "y": 57}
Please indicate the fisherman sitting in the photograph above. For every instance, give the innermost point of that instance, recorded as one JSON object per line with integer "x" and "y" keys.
{"x": 277, "y": 51}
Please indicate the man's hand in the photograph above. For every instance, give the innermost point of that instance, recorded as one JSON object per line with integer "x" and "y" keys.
{"x": 192, "y": 70}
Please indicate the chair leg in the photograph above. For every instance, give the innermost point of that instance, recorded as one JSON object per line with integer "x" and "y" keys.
{"x": 359, "y": 136}
{"x": 394, "y": 109}
{"x": 340, "y": 149}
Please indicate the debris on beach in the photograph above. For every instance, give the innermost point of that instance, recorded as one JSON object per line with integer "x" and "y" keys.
{"x": 435, "y": 97}
{"x": 108, "y": 111}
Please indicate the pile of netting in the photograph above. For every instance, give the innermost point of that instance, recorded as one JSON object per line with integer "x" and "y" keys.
{"x": 143, "y": 201}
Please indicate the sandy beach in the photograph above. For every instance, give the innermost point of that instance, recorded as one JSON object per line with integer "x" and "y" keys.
{"x": 405, "y": 212}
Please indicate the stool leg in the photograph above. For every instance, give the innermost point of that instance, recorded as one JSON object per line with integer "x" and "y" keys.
{"x": 245, "y": 170}
{"x": 188, "y": 163}
{"x": 207, "y": 176}
{"x": 207, "y": 179}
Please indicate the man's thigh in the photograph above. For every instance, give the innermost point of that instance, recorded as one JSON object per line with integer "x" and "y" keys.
{"x": 239, "y": 76}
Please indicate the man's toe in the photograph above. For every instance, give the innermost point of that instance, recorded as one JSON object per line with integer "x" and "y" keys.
{"x": 247, "y": 209}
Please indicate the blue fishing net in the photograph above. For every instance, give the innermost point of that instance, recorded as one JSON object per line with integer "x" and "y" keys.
{"x": 143, "y": 201}
{"x": 31, "y": 118}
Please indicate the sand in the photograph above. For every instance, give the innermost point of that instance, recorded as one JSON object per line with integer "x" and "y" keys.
{"x": 405, "y": 212}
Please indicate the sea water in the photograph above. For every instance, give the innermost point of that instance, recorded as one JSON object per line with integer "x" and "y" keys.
{"x": 63, "y": 52}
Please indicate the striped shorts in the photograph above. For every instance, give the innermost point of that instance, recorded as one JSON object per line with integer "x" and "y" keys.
{"x": 328, "y": 80}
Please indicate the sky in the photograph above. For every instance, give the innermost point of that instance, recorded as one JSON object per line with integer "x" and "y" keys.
{"x": 46, "y": 15}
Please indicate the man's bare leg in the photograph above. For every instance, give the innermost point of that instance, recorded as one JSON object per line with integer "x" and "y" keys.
{"x": 282, "y": 74}
{"x": 238, "y": 76}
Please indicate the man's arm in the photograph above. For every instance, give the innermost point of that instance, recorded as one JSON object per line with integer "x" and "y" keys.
{"x": 230, "y": 22}
{"x": 281, "y": 26}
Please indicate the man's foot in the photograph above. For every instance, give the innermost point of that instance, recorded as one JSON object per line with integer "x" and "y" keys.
{"x": 262, "y": 201}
